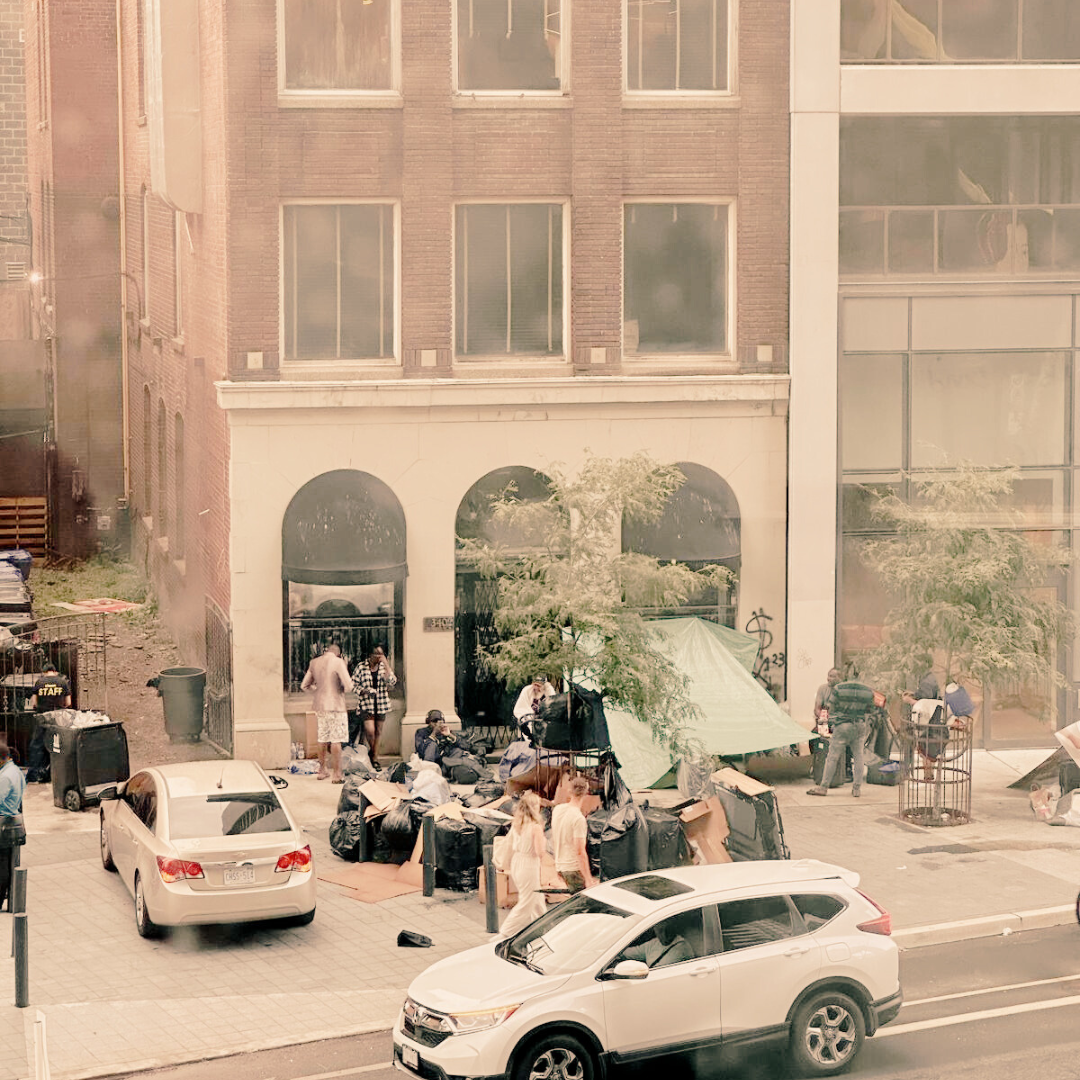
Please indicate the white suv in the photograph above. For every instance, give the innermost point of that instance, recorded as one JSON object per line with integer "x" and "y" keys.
{"x": 666, "y": 962}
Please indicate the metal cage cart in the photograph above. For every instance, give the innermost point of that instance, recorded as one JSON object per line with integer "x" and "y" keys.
{"x": 935, "y": 776}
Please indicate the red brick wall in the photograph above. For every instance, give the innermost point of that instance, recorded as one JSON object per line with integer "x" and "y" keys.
{"x": 13, "y": 174}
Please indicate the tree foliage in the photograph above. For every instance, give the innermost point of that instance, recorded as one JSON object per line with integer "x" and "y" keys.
{"x": 569, "y": 600}
{"x": 964, "y": 578}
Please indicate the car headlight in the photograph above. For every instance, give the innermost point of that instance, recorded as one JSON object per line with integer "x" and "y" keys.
{"x": 464, "y": 1023}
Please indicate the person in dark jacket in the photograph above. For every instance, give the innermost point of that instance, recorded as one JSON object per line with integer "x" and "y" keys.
{"x": 432, "y": 741}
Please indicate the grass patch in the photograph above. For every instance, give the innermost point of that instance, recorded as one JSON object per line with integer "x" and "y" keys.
{"x": 97, "y": 577}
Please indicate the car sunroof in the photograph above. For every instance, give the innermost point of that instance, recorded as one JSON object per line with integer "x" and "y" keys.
{"x": 653, "y": 887}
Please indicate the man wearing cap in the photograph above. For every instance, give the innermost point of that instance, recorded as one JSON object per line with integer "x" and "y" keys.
{"x": 849, "y": 705}
{"x": 527, "y": 706}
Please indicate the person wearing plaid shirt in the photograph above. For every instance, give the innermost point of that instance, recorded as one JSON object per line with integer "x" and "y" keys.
{"x": 372, "y": 680}
{"x": 849, "y": 705}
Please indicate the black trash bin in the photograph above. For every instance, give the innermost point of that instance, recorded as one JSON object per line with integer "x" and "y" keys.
{"x": 84, "y": 760}
{"x": 182, "y": 690}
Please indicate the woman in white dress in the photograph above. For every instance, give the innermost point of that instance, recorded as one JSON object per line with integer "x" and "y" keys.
{"x": 527, "y": 849}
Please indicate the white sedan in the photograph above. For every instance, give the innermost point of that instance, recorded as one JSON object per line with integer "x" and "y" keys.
{"x": 206, "y": 842}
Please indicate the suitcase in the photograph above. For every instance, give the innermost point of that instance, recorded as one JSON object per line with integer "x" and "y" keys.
{"x": 1068, "y": 776}
{"x": 820, "y": 755}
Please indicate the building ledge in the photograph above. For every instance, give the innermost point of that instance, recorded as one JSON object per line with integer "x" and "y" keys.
{"x": 477, "y": 393}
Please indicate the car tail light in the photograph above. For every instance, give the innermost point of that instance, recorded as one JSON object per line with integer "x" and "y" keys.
{"x": 299, "y": 861}
{"x": 178, "y": 869}
{"x": 881, "y": 925}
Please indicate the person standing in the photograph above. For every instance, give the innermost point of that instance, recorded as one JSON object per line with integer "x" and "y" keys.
{"x": 527, "y": 706}
{"x": 568, "y": 832}
{"x": 51, "y": 691}
{"x": 372, "y": 680}
{"x": 821, "y": 712}
{"x": 527, "y": 849}
{"x": 328, "y": 678}
{"x": 849, "y": 705}
{"x": 12, "y": 830}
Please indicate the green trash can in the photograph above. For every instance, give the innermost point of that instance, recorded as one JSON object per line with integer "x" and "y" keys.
{"x": 182, "y": 690}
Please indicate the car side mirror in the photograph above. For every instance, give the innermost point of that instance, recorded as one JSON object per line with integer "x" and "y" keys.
{"x": 631, "y": 970}
{"x": 110, "y": 792}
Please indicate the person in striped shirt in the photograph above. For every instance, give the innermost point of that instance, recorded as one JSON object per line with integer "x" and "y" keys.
{"x": 849, "y": 706}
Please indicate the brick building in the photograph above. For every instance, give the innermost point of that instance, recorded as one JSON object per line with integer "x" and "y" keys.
{"x": 13, "y": 232}
{"x": 392, "y": 254}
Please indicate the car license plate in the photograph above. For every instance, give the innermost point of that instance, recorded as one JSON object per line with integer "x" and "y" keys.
{"x": 241, "y": 875}
{"x": 410, "y": 1058}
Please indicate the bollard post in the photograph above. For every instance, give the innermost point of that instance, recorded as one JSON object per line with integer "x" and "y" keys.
{"x": 428, "y": 834}
{"x": 364, "y": 850}
{"x": 22, "y": 961}
{"x": 491, "y": 891}
{"x": 17, "y": 895}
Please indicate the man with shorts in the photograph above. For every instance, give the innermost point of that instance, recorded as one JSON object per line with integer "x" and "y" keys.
{"x": 568, "y": 833}
{"x": 372, "y": 680}
{"x": 328, "y": 677}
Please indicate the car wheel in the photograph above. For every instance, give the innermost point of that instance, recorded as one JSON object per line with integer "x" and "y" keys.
{"x": 72, "y": 800}
{"x": 827, "y": 1033}
{"x": 556, "y": 1057}
{"x": 143, "y": 923}
{"x": 106, "y": 852}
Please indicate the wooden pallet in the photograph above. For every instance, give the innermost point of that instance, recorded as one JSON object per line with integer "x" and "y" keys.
{"x": 24, "y": 524}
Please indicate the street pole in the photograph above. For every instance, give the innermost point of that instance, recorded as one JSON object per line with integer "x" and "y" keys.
{"x": 428, "y": 835}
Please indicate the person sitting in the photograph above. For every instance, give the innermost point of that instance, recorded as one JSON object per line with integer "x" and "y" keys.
{"x": 664, "y": 948}
{"x": 432, "y": 741}
{"x": 527, "y": 706}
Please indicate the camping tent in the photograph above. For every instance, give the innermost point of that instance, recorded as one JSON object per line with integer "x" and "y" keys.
{"x": 737, "y": 714}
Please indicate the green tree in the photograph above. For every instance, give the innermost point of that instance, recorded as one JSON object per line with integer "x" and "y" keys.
{"x": 569, "y": 600}
{"x": 964, "y": 578}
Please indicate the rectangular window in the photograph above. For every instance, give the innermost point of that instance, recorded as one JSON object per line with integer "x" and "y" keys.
{"x": 179, "y": 229}
{"x": 959, "y": 31}
{"x": 675, "y": 277}
{"x": 508, "y": 278}
{"x": 339, "y": 281}
{"x": 145, "y": 313}
{"x": 871, "y": 411}
{"x": 677, "y": 45}
{"x": 338, "y": 44}
{"x": 509, "y": 45}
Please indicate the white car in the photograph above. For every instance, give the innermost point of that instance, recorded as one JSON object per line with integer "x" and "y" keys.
{"x": 667, "y": 962}
{"x": 206, "y": 842}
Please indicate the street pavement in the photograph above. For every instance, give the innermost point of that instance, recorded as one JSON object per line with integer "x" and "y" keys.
{"x": 112, "y": 1002}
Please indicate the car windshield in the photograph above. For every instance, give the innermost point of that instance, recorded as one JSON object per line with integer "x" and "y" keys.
{"x": 226, "y": 814}
{"x": 568, "y": 938}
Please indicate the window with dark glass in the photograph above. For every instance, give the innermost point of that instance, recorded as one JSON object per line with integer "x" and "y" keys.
{"x": 675, "y": 280}
{"x": 509, "y": 44}
{"x": 509, "y": 279}
{"x": 339, "y": 281}
{"x": 338, "y": 44}
{"x": 162, "y": 471}
{"x": 671, "y": 941}
{"x": 178, "y": 533}
{"x": 817, "y": 909}
{"x": 677, "y": 45}
{"x": 757, "y": 921}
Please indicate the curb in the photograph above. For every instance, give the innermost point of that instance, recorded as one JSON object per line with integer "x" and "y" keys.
{"x": 984, "y": 926}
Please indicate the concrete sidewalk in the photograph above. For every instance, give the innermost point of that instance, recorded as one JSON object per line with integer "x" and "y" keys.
{"x": 115, "y": 1003}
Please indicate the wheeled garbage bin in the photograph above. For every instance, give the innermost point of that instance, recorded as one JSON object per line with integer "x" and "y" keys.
{"x": 182, "y": 691}
{"x": 84, "y": 760}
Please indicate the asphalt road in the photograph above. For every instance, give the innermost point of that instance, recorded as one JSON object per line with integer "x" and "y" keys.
{"x": 995, "y": 1008}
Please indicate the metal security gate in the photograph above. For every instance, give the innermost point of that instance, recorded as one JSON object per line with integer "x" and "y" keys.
{"x": 218, "y": 646}
{"x": 482, "y": 701}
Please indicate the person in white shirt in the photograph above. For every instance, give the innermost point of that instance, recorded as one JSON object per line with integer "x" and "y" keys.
{"x": 568, "y": 833}
{"x": 527, "y": 706}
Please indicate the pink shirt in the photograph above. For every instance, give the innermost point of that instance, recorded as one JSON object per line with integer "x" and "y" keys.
{"x": 328, "y": 675}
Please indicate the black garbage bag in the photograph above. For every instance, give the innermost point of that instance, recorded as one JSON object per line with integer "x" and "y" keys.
{"x": 618, "y": 841}
{"x": 381, "y": 852}
{"x": 397, "y": 774}
{"x": 349, "y": 799}
{"x": 399, "y": 828}
{"x": 345, "y": 835}
{"x": 474, "y": 742}
{"x": 579, "y": 724}
{"x": 456, "y": 850}
{"x": 613, "y": 789}
{"x": 667, "y": 843}
{"x": 487, "y": 829}
{"x": 462, "y": 767}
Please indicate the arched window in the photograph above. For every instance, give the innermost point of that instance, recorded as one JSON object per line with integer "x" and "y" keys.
{"x": 178, "y": 535}
{"x": 343, "y": 571}
{"x": 479, "y": 698}
{"x": 700, "y": 527}
{"x": 162, "y": 473}
{"x": 147, "y": 453}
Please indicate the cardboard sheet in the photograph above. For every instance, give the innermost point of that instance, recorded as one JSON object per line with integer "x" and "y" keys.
{"x": 732, "y": 778}
{"x": 706, "y": 828}
{"x": 370, "y": 882}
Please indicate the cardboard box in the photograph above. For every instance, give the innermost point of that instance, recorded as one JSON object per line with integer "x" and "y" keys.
{"x": 705, "y": 827}
{"x": 381, "y": 796}
{"x": 311, "y": 735}
{"x": 505, "y": 893}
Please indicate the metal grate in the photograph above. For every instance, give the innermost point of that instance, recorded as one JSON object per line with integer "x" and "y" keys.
{"x": 935, "y": 774}
{"x": 218, "y": 664}
{"x": 16, "y": 271}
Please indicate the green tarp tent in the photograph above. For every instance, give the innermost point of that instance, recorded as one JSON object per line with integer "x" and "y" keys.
{"x": 737, "y": 714}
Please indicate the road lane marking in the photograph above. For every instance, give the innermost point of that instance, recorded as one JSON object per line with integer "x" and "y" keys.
{"x": 974, "y": 1017}
{"x": 354, "y": 1071}
{"x": 992, "y": 990}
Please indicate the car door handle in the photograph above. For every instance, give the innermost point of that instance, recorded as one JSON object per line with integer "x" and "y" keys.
{"x": 798, "y": 950}
{"x": 701, "y": 969}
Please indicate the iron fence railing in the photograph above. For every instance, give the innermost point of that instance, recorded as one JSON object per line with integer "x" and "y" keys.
{"x": 305, "y": 638}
